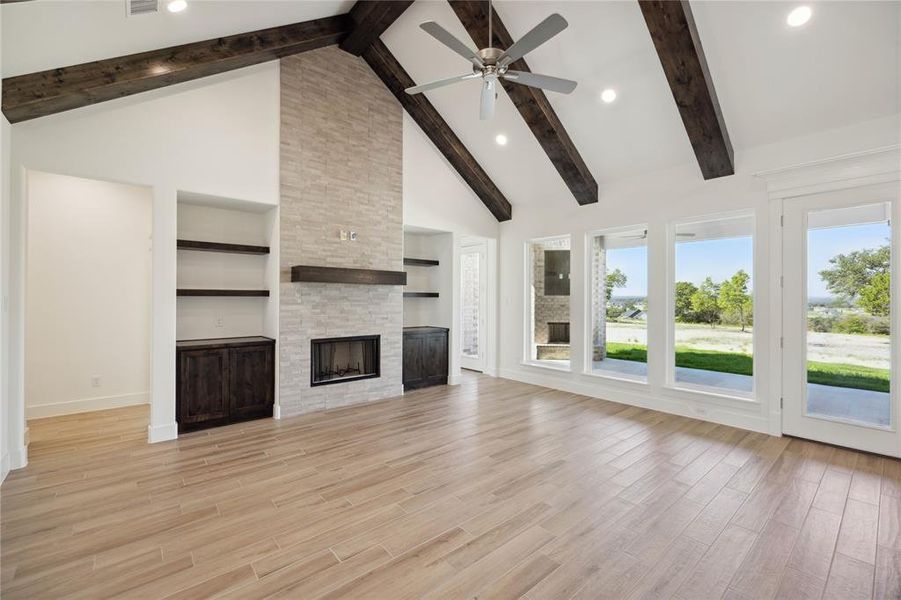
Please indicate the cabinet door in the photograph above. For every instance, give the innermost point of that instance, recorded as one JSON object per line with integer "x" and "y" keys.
{"x": 251, "y": 381}
{"x": 412, "y": 358}
{"x": 435, "y": 355}
{"x": 202, "y": 386}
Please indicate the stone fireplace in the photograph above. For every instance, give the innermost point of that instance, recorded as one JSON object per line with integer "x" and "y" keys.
{"x": 341, "y": 171}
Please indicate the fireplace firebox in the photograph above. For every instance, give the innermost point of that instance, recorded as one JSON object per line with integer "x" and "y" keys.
{"x": 337, "y": 360}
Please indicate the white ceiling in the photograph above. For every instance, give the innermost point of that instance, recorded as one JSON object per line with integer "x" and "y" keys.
{"x": 44, "y": 34}
{"x": 773, "y": 82}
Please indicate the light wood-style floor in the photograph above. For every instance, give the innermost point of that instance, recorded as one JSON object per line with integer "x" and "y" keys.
{"x": 492, "y": 489}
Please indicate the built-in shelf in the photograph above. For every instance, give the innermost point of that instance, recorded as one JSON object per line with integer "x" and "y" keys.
{"x": 300, "y": 273}
{"x": 420, "y": 262}
{"x": 420, "y": 294}
{"x": 230, "y": 293}
{"x": 221, "y": 247}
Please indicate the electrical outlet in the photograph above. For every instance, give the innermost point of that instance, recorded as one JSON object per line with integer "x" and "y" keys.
{"x": 219, "y": 322}
{"x": 353, "y": 236}
{"x": 95, "y": 381}
{"x": 343, "y": 235}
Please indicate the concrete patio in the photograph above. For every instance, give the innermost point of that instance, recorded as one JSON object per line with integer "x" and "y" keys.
{"x": 824, "y": 400}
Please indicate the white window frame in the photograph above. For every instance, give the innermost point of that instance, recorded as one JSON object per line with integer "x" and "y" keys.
{"x": 670, "y": 382}
{"x": 588, "y": 318}
{"x": 527, "y": 328}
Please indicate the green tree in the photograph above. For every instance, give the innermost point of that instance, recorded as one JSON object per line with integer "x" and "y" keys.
{"x": 684, "y": 291}
{"x": 735, "y": 299}
{"x": 850, "y": 273}
{"x": 614, "y": 279}
{"x": 875, "y": 297}
{"x": 704, "y": 302}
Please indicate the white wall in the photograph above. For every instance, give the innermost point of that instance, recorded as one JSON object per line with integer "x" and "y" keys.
{"x": 435, "y": 196}
{"x": 5, "y": 458}
{"x": 87, "y": 295}
{"x": 657, "y": 199}
{"x": 217, "y": 136}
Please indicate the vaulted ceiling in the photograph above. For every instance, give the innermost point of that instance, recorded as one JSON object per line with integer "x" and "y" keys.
{"x": 773, "y": 82}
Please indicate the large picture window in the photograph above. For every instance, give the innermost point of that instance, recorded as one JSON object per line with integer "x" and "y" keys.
{"x": 619, "y": 302}
{"x": 549, "y": 305}
{"x": 713, "y": 304}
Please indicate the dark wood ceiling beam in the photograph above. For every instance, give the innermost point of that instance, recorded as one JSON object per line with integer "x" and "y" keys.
{"x": 532, "y": 104}
{"x": 370, "y": 20}
{"x": 672, "y": 28}
{"x": 57, "y": 90}
{"x": 393, "y": 75}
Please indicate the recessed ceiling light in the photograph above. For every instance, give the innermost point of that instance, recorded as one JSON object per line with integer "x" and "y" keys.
{"x": 608, "y": 95}
{"x": 500, "y": 139}
{"x": 799, "y": 16}
{"x": 176, "y": 6}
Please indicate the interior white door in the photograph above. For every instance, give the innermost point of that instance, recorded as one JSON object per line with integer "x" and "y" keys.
{"x": 473, "y": 296}
{"x": 841, "y": 318}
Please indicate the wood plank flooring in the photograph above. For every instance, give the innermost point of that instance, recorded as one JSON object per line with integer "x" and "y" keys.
{"x": 490, "y": 489}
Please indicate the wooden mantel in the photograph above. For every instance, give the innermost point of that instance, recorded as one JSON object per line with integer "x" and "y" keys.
{"x": 309, "y": 273}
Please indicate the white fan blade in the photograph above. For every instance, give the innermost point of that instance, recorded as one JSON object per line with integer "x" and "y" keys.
{"x": 545, "y": 82}
{"x": 447, "y": 38}
{"x": 489, "y": 96}
{"x": 441, "y": 83}
{"x": 539, "y": 34}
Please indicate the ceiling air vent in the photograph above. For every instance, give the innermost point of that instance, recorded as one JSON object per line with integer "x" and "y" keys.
{"x": 141, "y": 7}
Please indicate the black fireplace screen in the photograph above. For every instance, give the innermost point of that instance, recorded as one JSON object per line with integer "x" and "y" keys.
{"x": 344, "y": 359}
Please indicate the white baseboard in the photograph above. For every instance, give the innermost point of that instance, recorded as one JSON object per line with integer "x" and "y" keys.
{"x": 162, "y": 433}
{"x": 18, "y": 458}
{"x": 643, "y": 399}
{"x": 71, "y": 407}
{"x": 4, "y": 467}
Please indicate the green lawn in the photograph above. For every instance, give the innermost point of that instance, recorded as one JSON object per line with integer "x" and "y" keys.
{"x": 834, "y": 374}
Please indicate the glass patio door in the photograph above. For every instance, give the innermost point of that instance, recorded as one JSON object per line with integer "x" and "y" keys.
{"x": 473, "y": 282}
{"x": 840, "y": 316}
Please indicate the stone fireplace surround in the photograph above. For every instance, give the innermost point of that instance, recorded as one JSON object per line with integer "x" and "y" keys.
{"x": 341, "y": 169}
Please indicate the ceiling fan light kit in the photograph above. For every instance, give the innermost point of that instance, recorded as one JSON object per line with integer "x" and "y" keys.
{"x": 490, "y": 64}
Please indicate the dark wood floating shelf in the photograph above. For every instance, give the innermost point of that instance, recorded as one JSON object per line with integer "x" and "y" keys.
{"x": 420, "y": 262}
{"x": 221, "y": 247}
{"x": 420, "y": 294}
{"x": 308, "y": 273}
{"x": 208, "y": 292}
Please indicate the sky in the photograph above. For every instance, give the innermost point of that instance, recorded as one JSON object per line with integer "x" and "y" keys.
{"x": 823, "y": 244}
{"x": 693, "y": 263}
{"x": 720, "y": 259}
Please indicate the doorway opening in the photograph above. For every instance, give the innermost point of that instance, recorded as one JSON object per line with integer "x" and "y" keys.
{"x": 87, "y": 306}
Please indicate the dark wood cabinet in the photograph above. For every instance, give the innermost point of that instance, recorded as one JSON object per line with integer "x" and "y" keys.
{"x": 425, "y": 357}
{"x": 223, "y": 381}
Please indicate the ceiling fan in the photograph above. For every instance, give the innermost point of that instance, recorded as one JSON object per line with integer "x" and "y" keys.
{"x": 644, "y": 236}
{"x": 490, "y": 64}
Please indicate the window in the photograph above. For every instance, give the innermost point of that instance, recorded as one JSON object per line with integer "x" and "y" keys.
{"x": 548, "y": 289}
{"x": 849, "y": 308}
{"x": 619, "y": 302}
{"x": 713, "y": 304}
